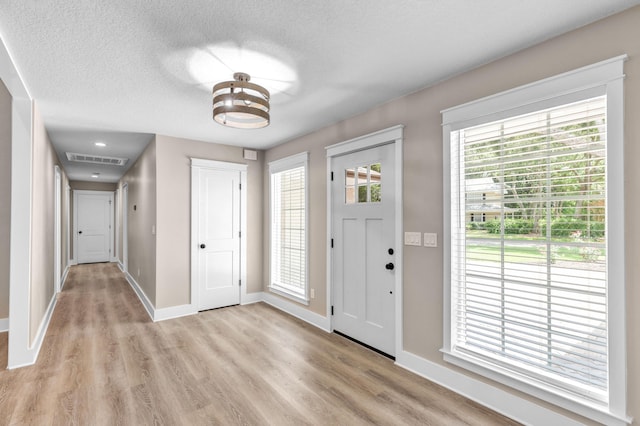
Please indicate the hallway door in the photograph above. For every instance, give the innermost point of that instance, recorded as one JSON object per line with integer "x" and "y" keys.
{"x": 216, "y": 236}
{"x": 93, "y": 226}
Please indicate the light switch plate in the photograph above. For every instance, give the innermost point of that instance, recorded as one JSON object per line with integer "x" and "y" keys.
{"x": 412, "y": 239}
{"x": 430, "y": 239}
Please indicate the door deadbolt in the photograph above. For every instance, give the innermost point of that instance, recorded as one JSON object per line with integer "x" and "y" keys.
{"x": 203, "y": 246}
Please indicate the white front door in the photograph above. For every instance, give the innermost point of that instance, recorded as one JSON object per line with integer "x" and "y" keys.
{"x": 93, "y": 223}
{"x": 217, "y": 239}
{"x": 363, "y": 217}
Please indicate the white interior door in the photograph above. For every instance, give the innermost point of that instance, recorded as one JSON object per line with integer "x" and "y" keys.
{"x": 218, "y": 238}
{"x": 363, "y": 223}
{"x": 93, "y": 226}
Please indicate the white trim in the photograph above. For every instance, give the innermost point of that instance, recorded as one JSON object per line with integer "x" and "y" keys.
{"x": 297, "y": 311}
{"x": 125, "y": 227}
{"x": 4, "y": 325}
{"x": 116, "y": 229}
{"x": 543, "y": 392}
{"x": 506, "y": 403}
{"x": 112, "y": 230}
{"x": 616, "y": 257}
{"x": 597, "y": 79}
{"x": 370, "y": 140}
{"x": 300, "y": 159}
{"x": 57, "y": 227}
{"x": 243, "y": 232}
{"x": 250, "y": 298}
{"x": 196, "y": 165}
{"x": 20, "y": 352}
{"x": 283, "y": 292}
{"x": 31, "y": 357}
{"x": 214, "y": 164}
{"x": 148, "y": 306}
{"x": 392, "y": 135}
{"x": 171, "y": 312}
{"x": 585, "y": 78}
{"x": 68, "y": 233}
{"x": 160, "y": 314}
{"x": 290, "y": 162}
{"x": 63, "y": 279}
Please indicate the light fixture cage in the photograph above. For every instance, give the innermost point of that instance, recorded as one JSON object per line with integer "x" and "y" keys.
{"x": 241, "y": 104}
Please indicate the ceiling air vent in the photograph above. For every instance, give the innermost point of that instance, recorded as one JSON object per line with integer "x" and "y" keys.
{"x": 96, "y": 159}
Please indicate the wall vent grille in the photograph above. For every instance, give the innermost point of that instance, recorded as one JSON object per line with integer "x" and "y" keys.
{"x": 96, "y": 159}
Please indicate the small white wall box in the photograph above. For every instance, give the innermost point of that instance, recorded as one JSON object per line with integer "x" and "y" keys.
{"x": 412, "y": 239}
{"x": 250, "y": 154}
{"x": 430, "y": 239}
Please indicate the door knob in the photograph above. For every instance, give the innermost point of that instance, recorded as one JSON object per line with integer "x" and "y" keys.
{"x": 79, "y": 232}
{"x": 389, "y": 266}
{"x": 202, "y": 246}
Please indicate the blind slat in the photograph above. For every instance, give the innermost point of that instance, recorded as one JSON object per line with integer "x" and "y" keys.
{"x": 529, "y": 252}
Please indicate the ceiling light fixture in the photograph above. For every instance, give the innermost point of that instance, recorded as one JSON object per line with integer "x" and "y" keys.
{"x": 241, "y": 104}
{"x": 95, "y": 175}
{"x": 100, "y": 144}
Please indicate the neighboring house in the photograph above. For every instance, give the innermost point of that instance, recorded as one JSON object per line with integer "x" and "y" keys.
{"x": 482, "y": 197}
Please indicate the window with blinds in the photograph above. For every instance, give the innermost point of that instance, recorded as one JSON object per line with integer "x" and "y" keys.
{"x": 529, "y": 281}
{"x": 289, "y": 227}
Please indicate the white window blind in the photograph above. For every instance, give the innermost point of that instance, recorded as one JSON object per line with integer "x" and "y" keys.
{"x": 529, "y": 283}
{"x": 289, "y": 229}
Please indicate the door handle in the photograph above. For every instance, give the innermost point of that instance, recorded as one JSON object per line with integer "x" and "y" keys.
{"x": 389, "y": 266}
{"x": 79, "y": 232}
{"x": 203, "y": 246}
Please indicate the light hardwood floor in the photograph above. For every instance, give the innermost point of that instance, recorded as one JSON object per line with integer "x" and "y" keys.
{"x": 103, "y": 362}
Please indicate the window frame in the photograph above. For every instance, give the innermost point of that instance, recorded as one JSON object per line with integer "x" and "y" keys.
{"x": 603, "y": 78}
{"x": 275, "y": 167}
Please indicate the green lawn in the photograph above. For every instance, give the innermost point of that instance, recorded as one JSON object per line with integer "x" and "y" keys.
{"x": 522, "y": 254}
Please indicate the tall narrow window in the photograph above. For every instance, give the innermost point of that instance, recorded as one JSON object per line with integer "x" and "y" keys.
{"x": 289, "y": 227}
{"x": 531, "y": 289}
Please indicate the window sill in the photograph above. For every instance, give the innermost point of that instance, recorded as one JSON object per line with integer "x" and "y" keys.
{"x": 288, "y": 294}
{"x": 548, "y": 393}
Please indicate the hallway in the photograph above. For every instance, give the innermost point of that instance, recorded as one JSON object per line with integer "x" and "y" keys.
{"x": 103, "y": 362}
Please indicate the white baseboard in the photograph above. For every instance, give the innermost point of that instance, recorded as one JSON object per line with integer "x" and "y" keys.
{"x": 34, "y": 350}
{"x": 121, "y": 266}
{"x": 72, "y": 262}
{"x": 162, "y": 314}
{"x": 4, "y": 325}
{"x": 505, "y": 403}
{"x": 63, "y": 279}
{"x": 297, "y": 311}
{"x": 148, "y": 306}
{"x": 249, "y": 298}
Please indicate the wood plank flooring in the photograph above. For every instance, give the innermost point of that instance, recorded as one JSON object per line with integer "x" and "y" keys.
{"x": 103, "y": 362}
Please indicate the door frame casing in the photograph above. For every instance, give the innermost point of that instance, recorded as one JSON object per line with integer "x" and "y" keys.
{"x": 124, "y": 203}
{"x": 77, "y": 192}
{"x": 198, "y": 164}
{"x": 57, "y": 228}
{"x": 392, "y": 135}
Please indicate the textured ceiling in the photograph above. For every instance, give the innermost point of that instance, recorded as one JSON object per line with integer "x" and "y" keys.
{"x": 121, "y": 70}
